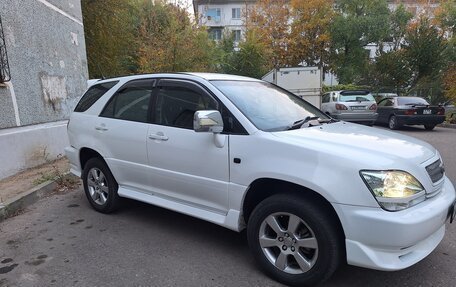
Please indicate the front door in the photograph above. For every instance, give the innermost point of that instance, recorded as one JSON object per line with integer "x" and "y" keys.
{"x": 185, "y": 165}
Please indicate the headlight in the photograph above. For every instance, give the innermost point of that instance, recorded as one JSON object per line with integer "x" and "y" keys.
{"x": 394, "y": 190}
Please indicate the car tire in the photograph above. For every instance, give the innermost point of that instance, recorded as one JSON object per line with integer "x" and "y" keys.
{"x": 290, "y": 262}
{"x": 100, "y": 186}
{"x": 429, "y": 127}
{"x": 392, "y": 123}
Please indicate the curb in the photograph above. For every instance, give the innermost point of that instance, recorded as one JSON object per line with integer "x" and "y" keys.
{"x": 21, "y": 201}
{"x": 449, "y": 126}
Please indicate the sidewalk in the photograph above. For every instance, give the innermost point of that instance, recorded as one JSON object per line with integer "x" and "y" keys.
{"x": 24, "y": 188}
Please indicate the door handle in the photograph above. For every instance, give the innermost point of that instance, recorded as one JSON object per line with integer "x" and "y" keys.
{"x": 101, "y": 128}
{"x": 158, "y": 136}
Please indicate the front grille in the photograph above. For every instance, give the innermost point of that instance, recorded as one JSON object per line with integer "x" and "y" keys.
{"x": 435, "y": 170}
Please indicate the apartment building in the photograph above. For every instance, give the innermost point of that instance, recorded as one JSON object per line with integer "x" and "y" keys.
{"x": 222, "y": 17}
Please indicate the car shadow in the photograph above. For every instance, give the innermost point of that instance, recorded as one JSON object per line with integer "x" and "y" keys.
{"x": 226, "y": 242}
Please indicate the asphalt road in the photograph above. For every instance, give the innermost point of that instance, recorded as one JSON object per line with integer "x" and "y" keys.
{"x": 61, "y": 241}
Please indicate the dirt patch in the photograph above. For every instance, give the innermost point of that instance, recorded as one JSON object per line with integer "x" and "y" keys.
{"x": 23, "y": 181}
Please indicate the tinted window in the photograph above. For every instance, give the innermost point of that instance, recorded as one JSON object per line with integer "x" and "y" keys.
{"x": 92, "y": 95}
{"x": 325, "y": 98}
{"x": 409, "y": 101}
{"x": 131, "y": 102}
{"x": 177, "y": 105}
{"x": 346, "y": 97}
{"x": 268, "y": 107}
{"x": 386, "y": 103}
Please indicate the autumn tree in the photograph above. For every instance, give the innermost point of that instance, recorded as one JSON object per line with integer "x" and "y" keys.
{"x": 310, "y": 38}
{"x": 271, "y": 21}
{"x": 109, "y": 28}
{"x": 169, "y": 42}
{"x": 445, "y": 17}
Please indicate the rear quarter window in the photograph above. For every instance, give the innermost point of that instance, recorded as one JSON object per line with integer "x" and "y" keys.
{"x": 92, "y": 95}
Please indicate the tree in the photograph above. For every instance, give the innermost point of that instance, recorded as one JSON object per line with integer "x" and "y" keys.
{"x": 425, "y": 48}
{"x": 358, "y": 23}
{"x": 399, "y": 21}
{"x": 392, "y": 70}
{"x": 445, "y": 16}
{"x": 310, "y": 35}
{"x": 169, "y": 42}
{"x": 109, "y": 29}
{"x": 270, "y": 19}
{"x": 252, "y": 59}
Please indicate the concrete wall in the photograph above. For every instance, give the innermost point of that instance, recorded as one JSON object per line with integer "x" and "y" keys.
{"x": 47, "y": 58}
{"x": 48, "y": 67}
{"x": 29, "y": 146}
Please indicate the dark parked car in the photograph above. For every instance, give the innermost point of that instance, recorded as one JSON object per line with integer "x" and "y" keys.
{"x": 399, "y": 111}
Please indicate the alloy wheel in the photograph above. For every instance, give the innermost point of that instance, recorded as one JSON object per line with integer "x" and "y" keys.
{"x": 288, "y": 243}
{"x": 98, "y": 186}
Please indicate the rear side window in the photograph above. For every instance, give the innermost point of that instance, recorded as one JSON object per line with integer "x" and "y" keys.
{"x": 92, "y": 95}
{"x": 131, "y": 102}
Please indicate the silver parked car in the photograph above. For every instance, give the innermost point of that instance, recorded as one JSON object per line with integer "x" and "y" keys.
{"x": 352, "y": 106}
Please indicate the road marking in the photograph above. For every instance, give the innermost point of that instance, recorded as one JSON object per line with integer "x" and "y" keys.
{"x": 60, "y": 11}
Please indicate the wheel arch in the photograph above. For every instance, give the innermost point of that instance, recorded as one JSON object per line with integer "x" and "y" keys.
{"x": 262, "y": 188}
{"x": 86, "y": 153}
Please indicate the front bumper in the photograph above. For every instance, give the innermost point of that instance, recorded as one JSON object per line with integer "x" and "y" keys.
{"x": 420, "y": 120}
{"x": 383, "y": 240}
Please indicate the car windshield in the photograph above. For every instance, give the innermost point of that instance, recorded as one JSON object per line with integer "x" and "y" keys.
{"x": 356, "y": 98}
{"x": 409, "y": 101}
{"x": 268, "y": 107}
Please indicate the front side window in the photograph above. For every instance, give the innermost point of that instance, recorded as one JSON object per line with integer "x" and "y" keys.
{"x": 176, "y": 106}
{"x": 131, "y": 102}
{"x": 268, "y": 107}
{"x": 93, "y": 94}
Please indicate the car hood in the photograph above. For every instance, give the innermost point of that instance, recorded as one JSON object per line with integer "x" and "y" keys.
{"x": 359, "y": 140}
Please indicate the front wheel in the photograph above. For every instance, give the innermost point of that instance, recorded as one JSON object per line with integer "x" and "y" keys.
{"x": 293, "y": 241}
{"x": 429, "y": 127}
{"x": 100, "y": 186}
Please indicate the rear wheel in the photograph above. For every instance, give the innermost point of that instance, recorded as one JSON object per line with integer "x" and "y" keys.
{"x": 392, "y": 123}
{"x": 429, "y": 127}
{"x": 100, "y": 186}
{"x": 293, "y": 241}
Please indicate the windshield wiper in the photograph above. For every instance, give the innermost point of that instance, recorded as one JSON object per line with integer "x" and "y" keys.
{"x": 298, "y": 124}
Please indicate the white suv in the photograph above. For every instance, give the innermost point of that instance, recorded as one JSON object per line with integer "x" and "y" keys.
{"x": 242, "y": 153}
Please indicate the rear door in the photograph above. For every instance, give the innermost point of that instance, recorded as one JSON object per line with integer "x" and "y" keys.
{"x": 121, "y": 130}
{"x": 186, "y": 165}
{"x": 384, "y": 109}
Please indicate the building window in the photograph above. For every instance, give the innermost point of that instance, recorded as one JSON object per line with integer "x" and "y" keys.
{"x": 237, "y": 35}
{"x": 236, "y": 13}
{"x": 214, "y": 14}
{"x": 4, "y": 66}
{"x": 215, "y": 34}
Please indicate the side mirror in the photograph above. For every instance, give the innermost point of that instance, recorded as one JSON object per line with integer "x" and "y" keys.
{"x": 208, "y": 121}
